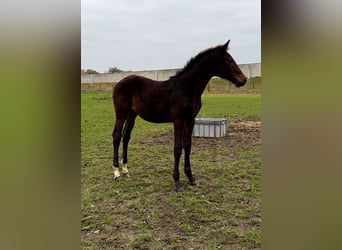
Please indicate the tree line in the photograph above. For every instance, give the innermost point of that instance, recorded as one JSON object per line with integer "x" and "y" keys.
{"x": 92, "y": 71}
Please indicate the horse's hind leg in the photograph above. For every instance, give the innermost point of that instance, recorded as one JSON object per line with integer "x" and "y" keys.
{"x": 117, "y": 133}
{"x": 126, "y": 136}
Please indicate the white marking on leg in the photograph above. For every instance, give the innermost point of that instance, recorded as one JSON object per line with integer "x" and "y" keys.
{"x": 125, "y": 170}
{"x": 116, "y": 173}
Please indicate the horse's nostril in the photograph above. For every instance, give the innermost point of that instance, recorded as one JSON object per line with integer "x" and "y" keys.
{"x": 243, "y": 81}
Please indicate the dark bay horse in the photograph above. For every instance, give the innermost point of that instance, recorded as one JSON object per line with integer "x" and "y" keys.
{"x": 176, "y": 100}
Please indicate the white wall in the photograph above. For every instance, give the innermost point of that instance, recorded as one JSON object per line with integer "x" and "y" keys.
{"x": 250, "y": 70}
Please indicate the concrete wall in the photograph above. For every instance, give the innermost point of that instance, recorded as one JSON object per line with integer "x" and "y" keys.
{"x": 250, "y": 70}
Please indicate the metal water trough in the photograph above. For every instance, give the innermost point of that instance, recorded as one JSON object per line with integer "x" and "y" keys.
{"x": 210, "y": 127}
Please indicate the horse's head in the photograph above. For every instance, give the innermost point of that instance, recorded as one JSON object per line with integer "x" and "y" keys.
{"x": 227, "y": 68}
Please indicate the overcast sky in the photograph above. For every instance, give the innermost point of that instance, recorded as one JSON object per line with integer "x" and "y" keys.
{"x": 163, "y": 34}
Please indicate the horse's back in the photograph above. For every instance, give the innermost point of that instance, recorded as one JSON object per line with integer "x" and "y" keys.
{"x": 131, "y": 84}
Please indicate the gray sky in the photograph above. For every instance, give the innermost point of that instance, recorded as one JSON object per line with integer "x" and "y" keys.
{"x": 160, "y": 34}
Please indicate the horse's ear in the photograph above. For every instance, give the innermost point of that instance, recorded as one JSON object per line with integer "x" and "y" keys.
{"x": 225, "y": 46}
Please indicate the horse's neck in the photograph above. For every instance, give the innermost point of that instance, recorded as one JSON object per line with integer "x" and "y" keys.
{"x": 198, "y": 78}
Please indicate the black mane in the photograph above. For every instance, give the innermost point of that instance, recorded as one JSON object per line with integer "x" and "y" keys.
{"x": 193, "y": 61}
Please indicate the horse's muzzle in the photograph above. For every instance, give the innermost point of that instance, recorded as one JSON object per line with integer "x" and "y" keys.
{"x": 241, "y": 83}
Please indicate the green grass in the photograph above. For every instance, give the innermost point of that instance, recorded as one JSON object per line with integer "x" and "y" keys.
{"x": 144, "y": 212}
{"x": 219, "y": 85}
{"x": 231, "y": 107}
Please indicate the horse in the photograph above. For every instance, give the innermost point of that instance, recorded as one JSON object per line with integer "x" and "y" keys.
{"x": 176, "y": 100}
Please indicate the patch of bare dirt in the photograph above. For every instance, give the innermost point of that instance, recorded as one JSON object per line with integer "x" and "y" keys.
{"x": 244, "y": 133}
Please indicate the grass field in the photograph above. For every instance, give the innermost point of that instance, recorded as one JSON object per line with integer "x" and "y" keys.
{"x": 144, "y": 212}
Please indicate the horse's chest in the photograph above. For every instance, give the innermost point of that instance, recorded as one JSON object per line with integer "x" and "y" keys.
{"x": 197, "y": 108}
{"x": 191, "y": 108}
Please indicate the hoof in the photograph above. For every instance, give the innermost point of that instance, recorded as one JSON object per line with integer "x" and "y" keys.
{"x": 125, "y": 170}
{"x": 192, "y": 182}
{"x": 178, "y": 187}
{"x": 116, "y": 173}
{"x": 116, "y": 178}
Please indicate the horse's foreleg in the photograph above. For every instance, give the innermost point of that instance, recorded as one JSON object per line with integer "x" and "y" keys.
{"x": 126, "y": 136}
{"x": 187, "y": 150}
{"x": 117, "y": 133}
{"x": 177, "y": 150}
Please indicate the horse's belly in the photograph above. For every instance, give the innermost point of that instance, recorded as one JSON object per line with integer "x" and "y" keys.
{"x": 156, "y": 119}
{"x": 153, "y": 116}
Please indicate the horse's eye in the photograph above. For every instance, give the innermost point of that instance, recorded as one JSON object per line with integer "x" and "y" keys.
{"x": 229, "y": 59}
